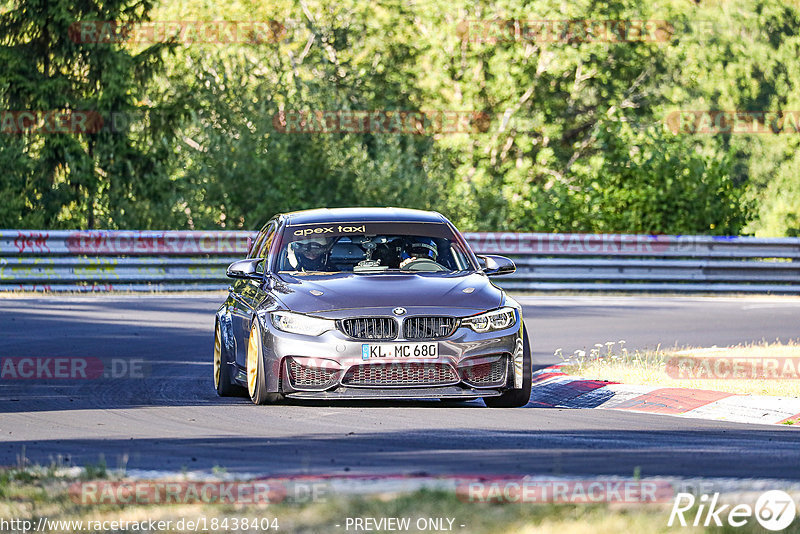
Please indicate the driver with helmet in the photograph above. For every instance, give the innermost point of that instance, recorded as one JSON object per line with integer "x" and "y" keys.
{"x": 419, "y": 248}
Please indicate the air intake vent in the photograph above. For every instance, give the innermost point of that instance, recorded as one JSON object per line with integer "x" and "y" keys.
{"x": 400, "y": 375}
{"x": 429, "y": 327}
{"x": 367, "y": 328}
{"x": 486, "y": 374}
{"x": 307, "y": 377}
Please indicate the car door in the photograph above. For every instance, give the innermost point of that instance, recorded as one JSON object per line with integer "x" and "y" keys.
{"x": 247, "y": 294}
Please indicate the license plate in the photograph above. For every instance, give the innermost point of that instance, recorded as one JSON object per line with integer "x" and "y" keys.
{"x": 376, "y": 351}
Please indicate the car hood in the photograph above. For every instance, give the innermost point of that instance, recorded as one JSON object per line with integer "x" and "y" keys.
{"x": 343, "y": 291}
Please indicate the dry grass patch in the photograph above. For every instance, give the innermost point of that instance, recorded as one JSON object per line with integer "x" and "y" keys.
{"x": 755, "y": 369}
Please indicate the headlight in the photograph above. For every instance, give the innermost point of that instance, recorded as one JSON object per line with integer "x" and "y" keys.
{"x": 490, "y": 321}
{"x": 301, "y": 324}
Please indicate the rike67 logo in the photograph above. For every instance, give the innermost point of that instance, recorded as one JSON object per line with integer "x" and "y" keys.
{"x": 774, "y": 510}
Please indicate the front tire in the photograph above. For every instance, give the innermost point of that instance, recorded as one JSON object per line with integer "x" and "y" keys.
{"x": 516, "y": 398}
{"x": 223, "y": 381}
{"x": 256, "y": 370}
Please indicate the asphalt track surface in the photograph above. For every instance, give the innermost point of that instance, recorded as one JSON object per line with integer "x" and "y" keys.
{"x": 173, "y": 420}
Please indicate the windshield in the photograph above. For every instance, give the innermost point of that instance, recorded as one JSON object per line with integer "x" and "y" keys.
{"x": 371, "y": 248}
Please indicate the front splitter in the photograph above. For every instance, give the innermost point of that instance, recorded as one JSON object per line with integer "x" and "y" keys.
{"x": 344, "y": 393}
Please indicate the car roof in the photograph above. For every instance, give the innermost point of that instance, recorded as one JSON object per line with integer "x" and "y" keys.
{"x": 334, "y": 215}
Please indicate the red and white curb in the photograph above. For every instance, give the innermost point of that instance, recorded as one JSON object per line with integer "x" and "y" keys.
{"x": 554, "y": 389}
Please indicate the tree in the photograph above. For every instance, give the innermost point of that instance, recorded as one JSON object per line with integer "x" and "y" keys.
{"x": 88, "y": 177}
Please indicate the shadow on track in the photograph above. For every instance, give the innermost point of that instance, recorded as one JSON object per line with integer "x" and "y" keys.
{"x": 454, "y": 451}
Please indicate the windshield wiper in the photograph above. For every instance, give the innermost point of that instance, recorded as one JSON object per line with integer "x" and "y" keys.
{"x": 305, "y": 273}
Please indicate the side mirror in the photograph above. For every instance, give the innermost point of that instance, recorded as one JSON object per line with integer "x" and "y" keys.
{"x": 496, "y": 265}
{"x": 245, "y": 269}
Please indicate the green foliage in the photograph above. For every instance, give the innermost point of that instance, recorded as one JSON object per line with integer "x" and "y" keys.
{"x": 94, "y": 178}
{"x": 94, "y": 471}
{"x": 576, "y": 141}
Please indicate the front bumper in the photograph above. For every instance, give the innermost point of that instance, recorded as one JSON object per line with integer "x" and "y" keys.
{"x": 332, "y": 365}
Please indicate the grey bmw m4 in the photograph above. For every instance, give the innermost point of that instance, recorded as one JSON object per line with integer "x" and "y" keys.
{"x": 369, "y": 303}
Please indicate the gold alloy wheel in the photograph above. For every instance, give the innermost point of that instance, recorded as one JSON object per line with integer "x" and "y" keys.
{"x": 217, "y": 356}
{"x": 252, "y": 361}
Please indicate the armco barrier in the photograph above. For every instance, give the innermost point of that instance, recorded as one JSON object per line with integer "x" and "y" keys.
{"x": 38, "y": 260}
